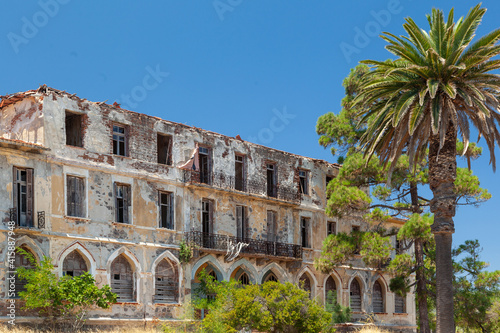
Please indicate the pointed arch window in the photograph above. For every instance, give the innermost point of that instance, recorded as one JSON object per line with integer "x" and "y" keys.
{"x": 122, "y": 279}
{"x": 270, "y": 277}
{"x": 166, "y": 282}
{"x": 331, "y": 290}
{"x": 21, "y": 260}
{"x": 377, "y": 298}
{"x": 74, "y": 264}
{"x": 355, "y": 299}
{"x": 244, "y": 279}
{"x": 305, "y": 283}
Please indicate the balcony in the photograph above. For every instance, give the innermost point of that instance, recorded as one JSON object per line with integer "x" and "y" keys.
{"x": 228, "y": 182}
{"x": 19, "y": 223}
{"x": 256, "y": 248}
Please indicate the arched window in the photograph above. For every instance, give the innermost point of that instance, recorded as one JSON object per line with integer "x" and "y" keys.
{"x": 305, "y": 283}
{"x": 270, "y": 277}
{"x": 122, "y": 279}
{"x": 244, "y": 279}
{"x": 331, "y": 290}
{"x": 355, "y": 299}
{"x": 400, "y": 304}
{"x": 167, "y": 282}
{"x": 377, "y": 298}
{"x": 22, "y": 261}
{"x": 74, "y": 264}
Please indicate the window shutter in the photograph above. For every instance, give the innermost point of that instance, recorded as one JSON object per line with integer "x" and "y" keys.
{"x": 239, "y": 221}
{"x": 70, "y": 196}
{"x": 211, "y": 215}
{"x": 171, "y": 211}
{"x": 80, "y": 194}
{"x": 29, "y": 197}
{"x": 14, "y": 189}
{"x": 115, "y": 190}
{"x": 126, "y": 203}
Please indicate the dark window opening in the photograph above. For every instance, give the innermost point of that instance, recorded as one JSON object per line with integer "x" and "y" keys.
{"x": 241, "y": 223}
{"x": 74, "y": 264}
{"x": 271, "y": 180}
{"x": 167, "y": 282}
{"x": 166, "y": 210}
{"x": 305, "y": 284}
{"x": 303, "y": 181}
{"x": 378, "y": 298}
{"x": 355, "y": 296}
{"x": 271, "y": 278}
{"x": 164, "y": 149}
{"x": 331, "y": 228}
{"x": 304, "y": 232}
{"x": 74, "y": 133}
{"x": 119, "y": 140}
{"x": 244, "y": 279}
{"x": 239, "y": 169}
{"x": 122, "y": 203}
{"x": 331, "y": 289}
{"x": 204, "y": 162}
{"x": 328, "y": 180}
{"x": 122, "y": 283}
{"x": 75, "y": 196}
{"x": 23, "y": 196}
{"x": 207, "y": 222}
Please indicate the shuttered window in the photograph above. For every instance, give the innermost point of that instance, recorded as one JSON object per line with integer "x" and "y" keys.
{"x": 166, "y": 282}
{"x": 74, "y": 264}
{"x": 23, "y": 196}
{"x": 271, "y": 226}
{"x": 21, "y": 261}
{"x": 377, "y": 298}
{"x": 241, "y": 223}
{"x": 122, "y": 280}
{"x": 75, "y": 196}
{"x": 355, "y": 299}
{"x": 400, "y": 304}
{"x": 122, "y": 203}
{"x": 166, "y": 210}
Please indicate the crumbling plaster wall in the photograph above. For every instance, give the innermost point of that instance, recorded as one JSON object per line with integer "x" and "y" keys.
{"x": 23, "y": 121}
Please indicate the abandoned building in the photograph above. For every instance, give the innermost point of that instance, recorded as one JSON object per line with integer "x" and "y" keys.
{"x": 113, "y": 192}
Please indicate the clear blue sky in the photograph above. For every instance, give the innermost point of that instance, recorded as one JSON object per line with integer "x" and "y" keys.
{"x": 228, "y": 66}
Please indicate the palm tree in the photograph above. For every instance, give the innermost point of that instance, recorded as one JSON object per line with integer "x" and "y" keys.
{"x": 439, "y": 83}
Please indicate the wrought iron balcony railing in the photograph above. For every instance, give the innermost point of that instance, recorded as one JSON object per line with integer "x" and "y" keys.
{"x": 255, "y": 247}
{"x": 18, "y": 223}
{"x": 224, "y": 181}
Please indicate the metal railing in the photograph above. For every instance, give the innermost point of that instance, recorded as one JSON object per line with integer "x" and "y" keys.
{"x": 225, "y": 181}
{"x": 220, "y": 242}
{"x": 13, "y": 216}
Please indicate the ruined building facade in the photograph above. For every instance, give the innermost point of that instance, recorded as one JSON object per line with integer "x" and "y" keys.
{"x": 101, "y": 189}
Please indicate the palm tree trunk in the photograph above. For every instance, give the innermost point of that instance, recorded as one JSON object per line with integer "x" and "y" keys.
{"x": 442, "y": 174}
{"x": 423, "y": 311}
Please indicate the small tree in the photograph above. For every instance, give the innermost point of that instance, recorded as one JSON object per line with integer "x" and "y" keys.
{"x": 65, "y": 300}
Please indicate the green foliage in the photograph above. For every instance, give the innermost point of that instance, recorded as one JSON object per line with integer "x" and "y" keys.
{"x": 337, "y": 250}
{"x": 375, "y": 249}
{"x": 340, "y": 314}
{"x": 63, "y": 301}
{"x": 185, "y": 252}
{"x": 270, "y": 307}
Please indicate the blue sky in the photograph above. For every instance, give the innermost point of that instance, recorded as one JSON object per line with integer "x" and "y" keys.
{"x": 230, "y": 66}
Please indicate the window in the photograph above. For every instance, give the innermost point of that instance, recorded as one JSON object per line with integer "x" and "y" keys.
{"x": 244, "y": 279}
{"x": 122, "y": 203}
{"x": 377, "y": 298}
{"x": 355, "y": 299}
{"x": 271, "y": 180}
{"x": 241, "y": 223}
{"x": 271, "y": 226}
{"x": 305, "y": 283}
{"x": 23, "y": 197}
{"x": 331, "y": 290}
{"x": 122, "y": 279}
{"x": 400, "y": 304}
{"x": 74, "y": 264}
{"x": 164, "y": 149}
{"x": 304, "y": 232}
{"x": 270, "y": 277}
{"x": 166, "y": 282}
{"x": 207, "y": 222}
{"x": 119, "y": 140}
{"x": 75, "y": 196}
{"x": 328, "y": 180}
{"x": 239, "y": 172}
{"x": 74, "y": 133}
{"x": 22, "y": 261}
{"x": 204, "y": 162}
{"x": 331, "y": 228}
{"x": 303, "y": 181}
{"x": 166, "y": 210}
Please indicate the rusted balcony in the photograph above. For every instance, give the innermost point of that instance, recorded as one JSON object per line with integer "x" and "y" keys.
{"x": 229, "y": 182}
{"x": 256, "y": 248}
{"x": 27, "y": 223}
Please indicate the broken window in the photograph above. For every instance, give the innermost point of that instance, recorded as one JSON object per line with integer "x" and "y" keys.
{"x": 305, "y": 283}
{"x": 166, "y": 210}
{"x": 122, "y": 280}
{"x": 271, "y": 226}
{"x": 75, "y": 196}
{"x": 74, "y": 264}
{"x": 164, "y": 149}
{"x": 377, "y": 298}
{"x": 166, "y": 282}
{"x": 303, "y": 181}
{"x": 271, "y": 180}
{"x": 244, "y": 279}
{"x": 74, "y": 133}
{"x": 241, "y": 225}
{"x": 204, "y": 162}
{"x": 122, "y": 203}
{"x": 355, "y": 296}
{"x": 119, "y": 140}
{"x": 331, "y": 228}
{"x": 23, "y": 196}
{"x": 304, "y": 232}
{"x": 21, "y": 260}
{"x": 399, "y": 304}
{"x": 239, "y": 170}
